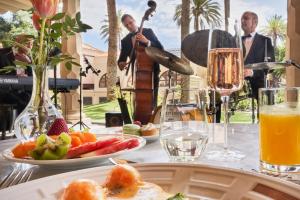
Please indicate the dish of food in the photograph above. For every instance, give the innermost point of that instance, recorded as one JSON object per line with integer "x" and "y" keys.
{"x": 62, "y": 152}
{"x": 149, "y": 131}
{"x": 194, "y": 181}
{"x": 122, "y": 182}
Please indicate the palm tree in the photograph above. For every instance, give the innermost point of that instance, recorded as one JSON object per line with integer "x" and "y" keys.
{"x": 185, "y": 29}
{"x": 104, "y": 28}
{"x": 226, "y": 13}
{"x": 202, "y": 11}
{"x": 112, "y": 48}
{"x": 276, "y": 29}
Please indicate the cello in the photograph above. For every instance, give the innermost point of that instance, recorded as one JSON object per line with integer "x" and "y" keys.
{"x": 144, "y": 91}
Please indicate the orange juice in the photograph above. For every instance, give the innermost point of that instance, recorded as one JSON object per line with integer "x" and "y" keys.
{"x": 280, "y": 138}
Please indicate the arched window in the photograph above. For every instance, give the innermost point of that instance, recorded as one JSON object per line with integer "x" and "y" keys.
{"x": 164, "y": 79}
{"x": 103, "y": 81}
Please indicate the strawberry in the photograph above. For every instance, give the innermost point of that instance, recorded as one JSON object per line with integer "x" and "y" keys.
{"x": 137, "y": 123}
{"x": 58, "y": 126}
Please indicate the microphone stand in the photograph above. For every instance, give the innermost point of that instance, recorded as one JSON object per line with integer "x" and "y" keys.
{"x": 55, "y": 85}
{"x": 81, "y": 74}
{"x": 80, "y": 122}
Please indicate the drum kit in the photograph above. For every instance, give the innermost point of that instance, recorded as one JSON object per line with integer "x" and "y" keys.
{"x": 194, "y": 48}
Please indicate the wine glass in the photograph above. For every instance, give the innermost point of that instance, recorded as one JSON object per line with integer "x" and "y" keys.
{"x": 183, "y": 124}
{"x": 225, "y": 75}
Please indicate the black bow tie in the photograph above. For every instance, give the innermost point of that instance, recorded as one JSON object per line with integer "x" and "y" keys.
{"x": 246, "y": 36}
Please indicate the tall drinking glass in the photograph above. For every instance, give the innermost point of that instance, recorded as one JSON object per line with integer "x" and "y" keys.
{"x": 183, "y": 124}
{"x": 225, "y": 75}
{"x": 279, "y": 129}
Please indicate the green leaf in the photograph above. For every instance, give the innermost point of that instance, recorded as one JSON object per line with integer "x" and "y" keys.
{"x": 57, "y": 44}
{"x": 85, "y": 26}
{"x": 75, "y": 63}
{"x": 56, "y": 26}
{"x": 65, "y": 27}
{"x": 58, "y": 16}
{"x": 55, "y": 35}
{"x": 71, "y": 34}
{"x": 7, "y": 69}
{"x": 20, "y": 63}
{"x": 177, "y": 196}
{"x": 68, "y": 65}
{"x": 73, "y": 22}
{"x": 78, "y": 18}
{"x": 68, "y": 20}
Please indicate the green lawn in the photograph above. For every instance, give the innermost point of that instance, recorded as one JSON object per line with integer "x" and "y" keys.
{"x": 240, "y": 117}
{"x": 97, "y": 113}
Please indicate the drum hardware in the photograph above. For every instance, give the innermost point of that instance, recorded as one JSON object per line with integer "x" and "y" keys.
{"x": 123, "y": 104}
{"x": 169, "y": 60}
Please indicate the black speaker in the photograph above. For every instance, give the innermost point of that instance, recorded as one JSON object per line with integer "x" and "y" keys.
{"x": 113, "y": 119}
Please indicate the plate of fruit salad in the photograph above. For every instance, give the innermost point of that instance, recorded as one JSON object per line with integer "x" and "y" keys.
{"x": 70, "y": 149}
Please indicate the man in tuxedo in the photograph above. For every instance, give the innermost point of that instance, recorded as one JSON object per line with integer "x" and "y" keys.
{"x": 254, "y": 50}
{"x": 146, "y": 38}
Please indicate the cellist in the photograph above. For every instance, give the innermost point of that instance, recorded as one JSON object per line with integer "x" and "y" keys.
{"x": 146, "y": 38}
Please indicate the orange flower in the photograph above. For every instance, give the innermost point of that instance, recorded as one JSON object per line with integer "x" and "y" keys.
{"x": 45, "y": 8}
{"x": 36, "y": 21}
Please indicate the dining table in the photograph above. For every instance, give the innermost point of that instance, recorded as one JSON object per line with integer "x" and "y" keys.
{"x": 242, "y": 137}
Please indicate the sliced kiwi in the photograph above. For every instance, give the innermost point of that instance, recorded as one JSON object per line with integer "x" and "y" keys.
{"x": 63, "y": 139}
{"x": 61, "y": 151}
{"x": 42, "y": 140}
{"x": 49, "y": 155}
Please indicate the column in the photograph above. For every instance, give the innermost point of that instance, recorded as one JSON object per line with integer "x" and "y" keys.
{"x": 73, "y": 47}
{"x": 293, "y": 42}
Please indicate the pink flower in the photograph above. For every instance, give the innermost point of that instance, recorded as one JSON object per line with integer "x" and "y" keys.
{"x": 45, "y": 8}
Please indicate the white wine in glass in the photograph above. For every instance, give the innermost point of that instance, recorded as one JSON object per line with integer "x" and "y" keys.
{"x": 225, "y": 75}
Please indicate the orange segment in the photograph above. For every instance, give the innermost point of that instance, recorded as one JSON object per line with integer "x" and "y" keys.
{"x": 75, "y": 141}
{"x": 22, "y": 149}
{"x": 89, "y": 137}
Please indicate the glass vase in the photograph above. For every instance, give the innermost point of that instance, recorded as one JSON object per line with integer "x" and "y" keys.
{"x": 40, "y": 112}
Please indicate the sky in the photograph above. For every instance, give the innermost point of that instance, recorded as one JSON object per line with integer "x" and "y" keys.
{"x": 94, "y": 12}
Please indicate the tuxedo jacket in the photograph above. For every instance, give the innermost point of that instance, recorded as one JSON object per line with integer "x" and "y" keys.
{"x": 256, "y": 55}
{"x": 126, "y": 48}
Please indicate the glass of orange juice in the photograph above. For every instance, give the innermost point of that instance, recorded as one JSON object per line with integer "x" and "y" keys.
{"x": 279, "y": 127}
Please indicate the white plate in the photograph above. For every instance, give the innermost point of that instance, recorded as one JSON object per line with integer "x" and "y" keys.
{"x": 194, "y": 180}
{"x": 151, "y": 138}
{"x": 76, "y": 162}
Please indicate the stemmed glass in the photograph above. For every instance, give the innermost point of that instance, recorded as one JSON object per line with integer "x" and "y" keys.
{"x": 225, "y": 75}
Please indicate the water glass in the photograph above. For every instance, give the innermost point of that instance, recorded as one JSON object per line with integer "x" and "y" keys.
{"x": 183, "y": 124}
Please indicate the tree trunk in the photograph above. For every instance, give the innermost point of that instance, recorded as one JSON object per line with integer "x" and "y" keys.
{"x": 227, "y": 13}
{"x": 196, "y": 23}
{"x": 112, "y": 48}
{"x": 275, "y": 47}
{"x": 185, "y": 29}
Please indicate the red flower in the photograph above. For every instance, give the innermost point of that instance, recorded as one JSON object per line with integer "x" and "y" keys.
{"x": 36, "y": 21}
{"x": 45, "y": 8}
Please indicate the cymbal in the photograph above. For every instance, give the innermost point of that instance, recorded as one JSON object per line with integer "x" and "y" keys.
{"x": 195, "y": 45}
{"x": 169, "y": 60}
{"x": 267, "y": 65}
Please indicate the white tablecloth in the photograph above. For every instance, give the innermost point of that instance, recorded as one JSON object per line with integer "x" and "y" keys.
{"x": 243, "y": 137}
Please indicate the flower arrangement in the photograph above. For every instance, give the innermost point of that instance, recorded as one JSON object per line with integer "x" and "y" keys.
{"x": 51, "y": 27}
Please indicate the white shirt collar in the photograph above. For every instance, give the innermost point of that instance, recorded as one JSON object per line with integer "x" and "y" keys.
{"x": 252, "y": 35}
